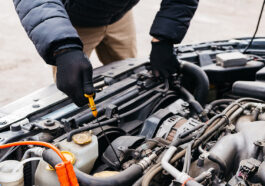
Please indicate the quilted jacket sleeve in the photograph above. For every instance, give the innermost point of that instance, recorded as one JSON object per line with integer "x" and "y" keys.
{"x": 47, "y": 25}
{"x": 173, "y": 19}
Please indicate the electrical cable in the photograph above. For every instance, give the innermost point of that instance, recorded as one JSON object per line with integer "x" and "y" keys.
{"x": 195, "y": 104}
{"x": 199, "y": 139}
{"x": 108, "y": 141}
{"x": 257, "y": 28}
{"x": 17, "y": 138}
{"x": 187, "y": 158}
{"x": 86, "y": 128}
{"x": 169, "y": 96}
{"x": 93, "y": 108}
{"x": 24, "y": 162}
{"x": 146, "y": 103}
{"x": 186, "y": 133}
{"x": 215, "y": 123}
{"x": 107, "y": 122}
{"x": 22, "y": 136}
{"x": 10, "y": 151}
{"x": 64, "y": 170}
{"x": 38, "y": 143}
{"x": 215, "y": 103}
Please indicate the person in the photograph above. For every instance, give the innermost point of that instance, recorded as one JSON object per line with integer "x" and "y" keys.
{"x": 64, "y": 31}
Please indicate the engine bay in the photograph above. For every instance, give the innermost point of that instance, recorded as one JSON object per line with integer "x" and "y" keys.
{"x": 205, "y": 125}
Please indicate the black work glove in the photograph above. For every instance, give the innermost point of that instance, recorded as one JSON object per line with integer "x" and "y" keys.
{"x": 163, "y": 59}
{"x": 74, "y": 75}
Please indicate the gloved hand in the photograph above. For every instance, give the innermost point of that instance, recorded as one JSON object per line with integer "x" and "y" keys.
{"x": 74, "y": 75}
{"x": 163, "y": 59}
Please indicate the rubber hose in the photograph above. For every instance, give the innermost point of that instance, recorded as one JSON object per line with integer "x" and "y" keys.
{"x": 157, "y": 168}
{"x": 126, "y": 177}
{"x": 138, "y": 182}
{"x": 204, "y": 175}
{"x": 255, "y": 114}
{"x": 89, "y": 127}
{"x": 180, "y": 141}
{"x": 217, "y": 102}
{"x": 195, "y": 104}
{"x": 19, "y": 137}
{"x": 149, "y": 101}
{"x": 201, "y": 81}
{"x": 51, "y": 157}
{"x": 193, "y": 183}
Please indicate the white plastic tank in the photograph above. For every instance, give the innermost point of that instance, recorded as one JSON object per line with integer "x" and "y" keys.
{"x": 11, "y": 173}
{"x": 85, "y": 157}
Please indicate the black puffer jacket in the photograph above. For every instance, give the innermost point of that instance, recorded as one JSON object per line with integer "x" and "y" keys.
{"x": 49, "y": 27}
{"x": 93, "y": 13}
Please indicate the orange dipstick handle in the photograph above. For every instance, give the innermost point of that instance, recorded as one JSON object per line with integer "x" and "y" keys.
{"x": 92, "y": 104}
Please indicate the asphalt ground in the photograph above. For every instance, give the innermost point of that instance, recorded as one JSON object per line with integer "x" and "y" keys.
{"x": 22, "y": 71}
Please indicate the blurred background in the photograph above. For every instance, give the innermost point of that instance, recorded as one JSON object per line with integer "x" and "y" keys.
{"x": 22, "y": 71}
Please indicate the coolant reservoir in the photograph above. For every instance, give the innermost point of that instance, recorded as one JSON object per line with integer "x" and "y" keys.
{"x": 84, "y": 148}
{"x": 11, "y": 173}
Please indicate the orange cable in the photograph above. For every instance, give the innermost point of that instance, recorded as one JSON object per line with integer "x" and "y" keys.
{"x": 62, "y": 175}
{"x": 71, "y": 174}
{"x": 65, "y": 171}
{"x": 39, "y": 143}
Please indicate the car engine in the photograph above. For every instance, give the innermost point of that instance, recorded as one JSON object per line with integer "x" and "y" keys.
{"x": 205, "y": 125}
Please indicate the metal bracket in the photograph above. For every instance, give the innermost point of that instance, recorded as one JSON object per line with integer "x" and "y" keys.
{"x": 50, "y": 125}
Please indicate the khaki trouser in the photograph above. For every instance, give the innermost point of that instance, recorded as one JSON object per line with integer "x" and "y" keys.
{"x": 112, "y": 42}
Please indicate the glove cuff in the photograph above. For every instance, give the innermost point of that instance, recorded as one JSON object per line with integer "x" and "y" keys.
{"x": 64, "y": 52}
{"x": 163, "y": 42}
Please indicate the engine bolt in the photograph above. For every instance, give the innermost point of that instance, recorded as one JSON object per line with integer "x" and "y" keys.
{"x": 121, "y": 148}
{"x": 35, "y": 105}
{"x": 185, "y": 104}
{"x": 49, "y": 123}
{"x": 15, "y": 127}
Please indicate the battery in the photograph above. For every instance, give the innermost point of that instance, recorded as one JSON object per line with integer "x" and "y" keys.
{"x": 231, "y": 59}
